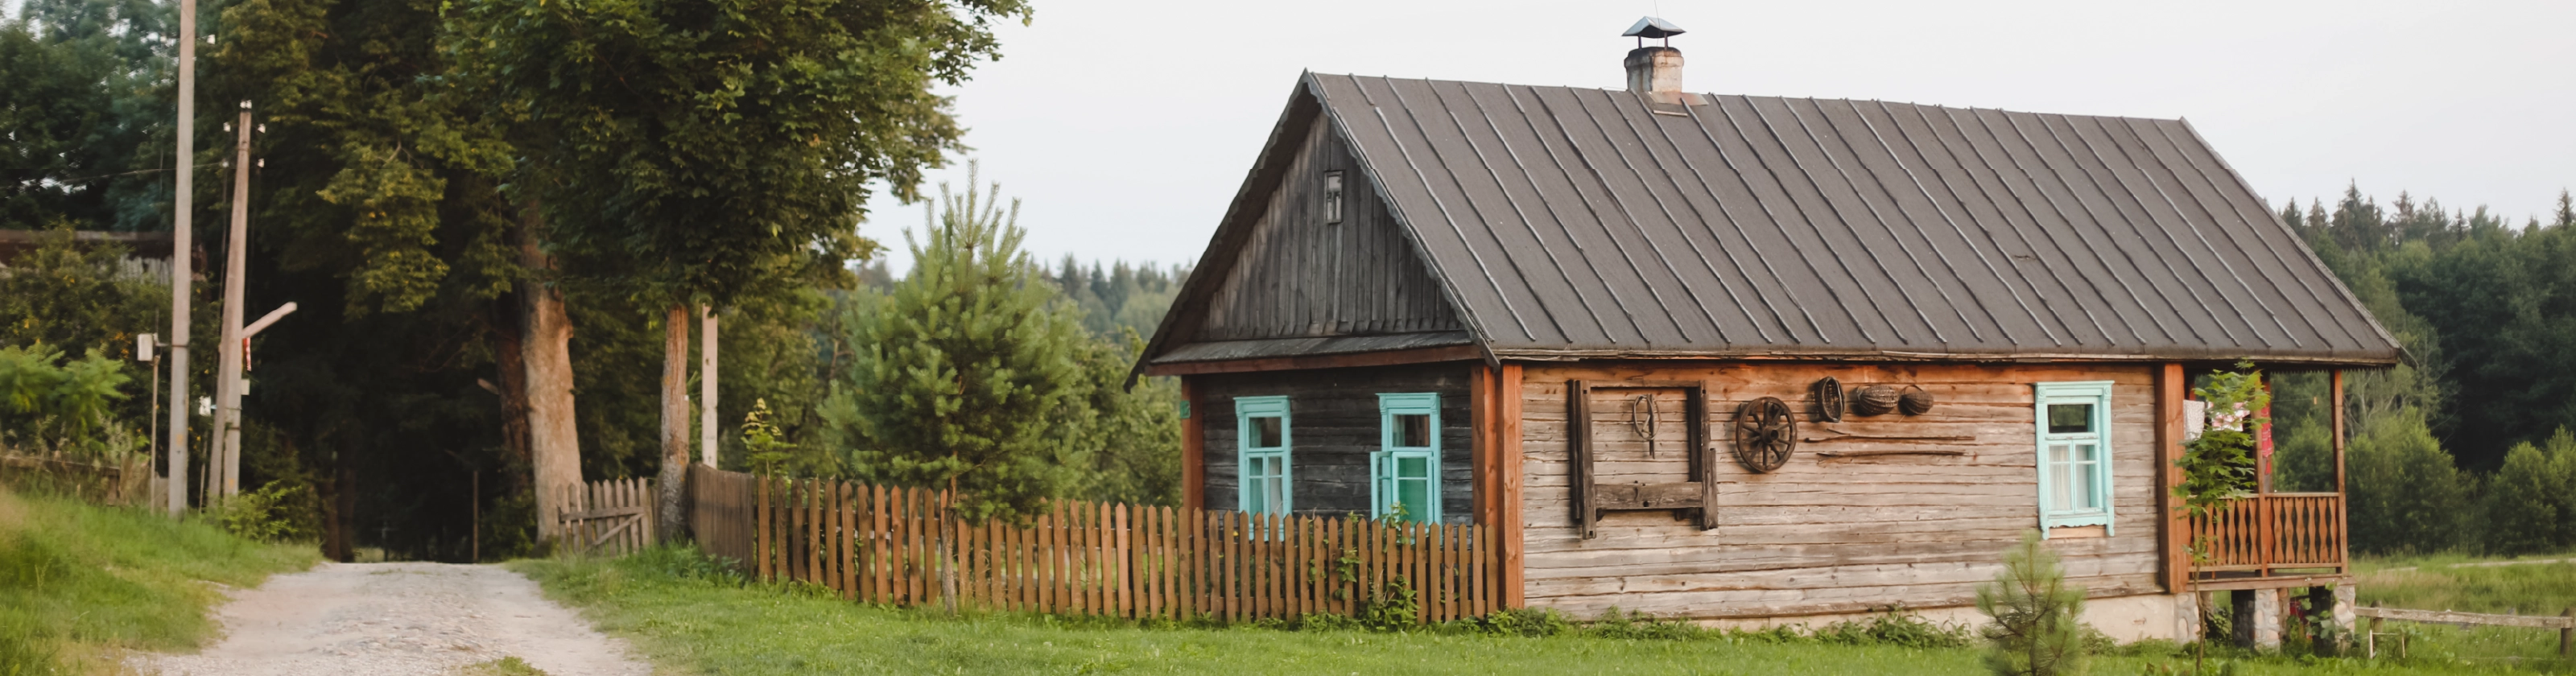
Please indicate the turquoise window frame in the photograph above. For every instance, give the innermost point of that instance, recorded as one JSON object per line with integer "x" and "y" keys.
{"x": 2066, "y": 472}
{"x": 1257, "y": 467}
{"x": 1387, "y": 475}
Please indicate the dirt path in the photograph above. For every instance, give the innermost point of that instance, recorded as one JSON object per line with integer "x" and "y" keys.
{"x": 398, "y": 619}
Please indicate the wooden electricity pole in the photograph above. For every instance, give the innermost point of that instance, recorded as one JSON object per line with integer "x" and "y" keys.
{"x": 226, "y": 463}
{"x": 180, "y": 248}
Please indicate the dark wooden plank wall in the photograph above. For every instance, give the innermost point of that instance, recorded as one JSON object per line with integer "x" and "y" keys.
{"x": 1334, "y": 426}
{"x": 1828, "y": 535}
{"x": 1299, "y": 276}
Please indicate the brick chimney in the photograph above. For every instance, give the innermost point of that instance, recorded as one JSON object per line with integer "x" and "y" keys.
{"x": 1655, "y": 72}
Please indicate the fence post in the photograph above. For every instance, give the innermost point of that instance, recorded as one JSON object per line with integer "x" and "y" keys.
{"x": 2567, "y": 634}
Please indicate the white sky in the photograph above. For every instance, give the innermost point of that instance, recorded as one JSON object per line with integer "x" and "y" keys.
{"x": 1126, "y": 126}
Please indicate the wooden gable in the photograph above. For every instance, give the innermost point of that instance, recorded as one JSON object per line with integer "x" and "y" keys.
{"x": 1284, "y": 277}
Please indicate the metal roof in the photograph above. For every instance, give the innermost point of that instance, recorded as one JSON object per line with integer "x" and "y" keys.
{"x": 1573, "y": 223}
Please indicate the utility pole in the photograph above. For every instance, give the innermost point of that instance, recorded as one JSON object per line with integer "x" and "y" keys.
{"x": 228, "y": 364}
{"x": 180, "y": 248}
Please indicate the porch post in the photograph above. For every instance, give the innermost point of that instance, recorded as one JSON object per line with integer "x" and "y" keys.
{"x": 2169, "y": 431}
{"x": 1507, "y": 528}
{"x": 1193, "y": 447}
{"x": 2343, "y": 504}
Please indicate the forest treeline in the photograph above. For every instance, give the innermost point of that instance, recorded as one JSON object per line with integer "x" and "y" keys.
{"x": 2466, "y": 445}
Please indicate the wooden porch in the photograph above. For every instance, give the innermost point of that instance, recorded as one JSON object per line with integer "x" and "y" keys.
{"x": 2267, "y": 540}
{"x": 2271, "y": 540}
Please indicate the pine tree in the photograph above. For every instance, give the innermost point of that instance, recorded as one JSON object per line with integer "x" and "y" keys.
{"x": 2035, "y": 631}
{"x": 970, "y": 375}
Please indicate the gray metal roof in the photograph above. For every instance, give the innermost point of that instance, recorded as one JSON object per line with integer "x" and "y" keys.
{"x": 1571, "y": 223}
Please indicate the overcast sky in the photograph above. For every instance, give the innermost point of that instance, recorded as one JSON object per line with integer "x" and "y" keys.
{"x": 1126, "y": 126}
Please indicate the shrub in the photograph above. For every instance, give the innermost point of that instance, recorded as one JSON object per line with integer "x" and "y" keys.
{"x": 2530, "y": 505}
{"x": 2406, "y": 494}
{"x": 1898, "y": 627}
{"x": 2034, "y": 632}
{"x": 263, "y": 515}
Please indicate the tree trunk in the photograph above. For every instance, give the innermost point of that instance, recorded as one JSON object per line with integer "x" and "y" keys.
{"x": 675, "y": 420}
{"x": 554, "y": 444}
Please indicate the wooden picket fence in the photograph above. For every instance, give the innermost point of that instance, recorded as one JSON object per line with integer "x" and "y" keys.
{"x": 903, "y": 546}
{"x": 610, "y": 517}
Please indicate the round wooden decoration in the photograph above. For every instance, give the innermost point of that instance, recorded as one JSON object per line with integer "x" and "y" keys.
{"x": 1829, "y": 400}
{"x": 1765, "y": 434}
{"x": 1873, "y": 400}
{"x": 1915, "y": 401}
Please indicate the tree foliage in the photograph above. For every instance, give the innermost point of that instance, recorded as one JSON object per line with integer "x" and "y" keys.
{"x": 2530, "y": 504}
{"x": 709, "y": 151}
{"x": 84, "y": 92}
{"x": 969, "y": 376}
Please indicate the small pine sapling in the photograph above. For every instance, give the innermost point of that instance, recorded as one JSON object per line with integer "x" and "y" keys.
{"x": 2034, "y": 632}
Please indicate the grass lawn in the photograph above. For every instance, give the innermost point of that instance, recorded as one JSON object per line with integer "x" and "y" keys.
{"x": 79, "y": 582}
{"x": 2459, "y": 582}
{"x": 687, "y": 615}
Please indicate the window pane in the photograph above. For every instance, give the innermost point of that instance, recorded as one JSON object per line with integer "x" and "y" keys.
{"x": 2059, "y": 478}
{"x": 2070, "y": 418}
{"x": 1266, "y": 433}
{"x": 2057, "y": 453}
{"x": 1413, "y": 431}
{"x": 1416, "y": 495}
{"x": 2081, "y": 487}
{"x": 1277, "y": 497}
{"x": 2091, "y": 475}
{"x": 1413, "y": 468}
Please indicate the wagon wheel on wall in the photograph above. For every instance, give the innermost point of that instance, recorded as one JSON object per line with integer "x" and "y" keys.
{"x": 1765, "y": 434}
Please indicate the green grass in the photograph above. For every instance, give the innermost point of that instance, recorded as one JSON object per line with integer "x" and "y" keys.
{"x": 79, "y": 582}
{"x": 689, "y": 616}
{"x": 2444, "y": 582}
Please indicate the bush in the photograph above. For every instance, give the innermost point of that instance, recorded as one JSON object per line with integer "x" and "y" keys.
{"x": 2406, "y": 495}
{"x": 265, "y": 515}
{"x": 2034, "y": 632}
{"x": 1898, "y": 627}
{"x": 61, "y": 409}
{"x": 2530, "y": 505}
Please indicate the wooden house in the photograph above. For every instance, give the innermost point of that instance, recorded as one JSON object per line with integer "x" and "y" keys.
{"x": 1753, "y": 359}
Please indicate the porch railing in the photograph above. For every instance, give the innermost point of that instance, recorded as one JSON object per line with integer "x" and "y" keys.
{"x": 2271, "y": 535}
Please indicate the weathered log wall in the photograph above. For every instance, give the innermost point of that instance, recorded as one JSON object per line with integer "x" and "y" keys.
{"x": 1828, "y": 534}
{"x": 1333, "y": 426}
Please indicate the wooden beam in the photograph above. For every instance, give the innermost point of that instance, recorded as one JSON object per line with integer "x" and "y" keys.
{"x": 1487, "y": 431}
{"x": 2176, "y": 526}
{"x": 1193, "y": 448}
{"x": 2451, "y": 617}
{"x": 1507, "y": 528}
{"x": 2284, "y": 582}
{"x": 2343, "y": 505}
{"x": 1326, "y": 361}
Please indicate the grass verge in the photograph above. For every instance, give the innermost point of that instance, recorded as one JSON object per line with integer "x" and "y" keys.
{"x": 79, "y": 582}
{"x": 2532, "y": 586}
{"x": 689, "y": 614}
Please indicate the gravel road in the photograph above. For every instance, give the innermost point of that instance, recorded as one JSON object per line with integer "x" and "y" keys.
{"x": 343, "y": 619}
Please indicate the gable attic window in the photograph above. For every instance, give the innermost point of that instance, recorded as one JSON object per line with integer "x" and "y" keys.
{"x": 1261, "y": 451}
{"x": 1405, "y": 471}
{"x": 2074, "y": 437}
{"x": 1332, "y": 197}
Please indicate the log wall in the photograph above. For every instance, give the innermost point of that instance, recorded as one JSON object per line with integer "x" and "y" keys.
{"x": 1333, "y": 426}
{"x": 1828, "y": 534}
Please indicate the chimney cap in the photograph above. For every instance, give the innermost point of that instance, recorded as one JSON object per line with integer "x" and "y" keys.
{"x": 1652, "y": 27}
